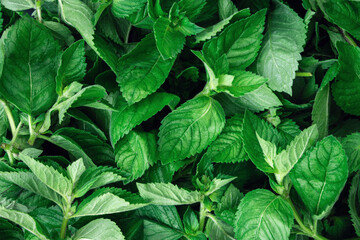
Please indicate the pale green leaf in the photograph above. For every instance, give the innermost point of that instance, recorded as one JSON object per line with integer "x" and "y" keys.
{"x": 49, "y": 176}
{"x": 228, "y": 146}
{"x": 242, "y": 83}
{"x": 218, "y": 183}
{"x": 75, "y": 170}
{"x": 26, "y": 81}
{"x": 18, "y": 5}
{"x": 218, "y": 229}
{"x": 124, "y": 8}
{"x": 190, "y": 128}
{"x": 240, "y": 42}
{"x": 135, "y": 153}
{"x": 139, "y": 77}
{"x": 226, "y": 9}
{"x": 99, "y": 229}
{"x": 283, "y": 42}
{"x": 347, "y": 85}
{"x": 320, "y": 176}
{"x": 167, "y": 194}
{"x": 72, "y": 67}
{"x": 257, "y": 214}
{"x": 321, "y": 111}
{"x": 351, "y": 145}
{"x": 287, "y": 158}
{"x": 128, "y": 116}
{"x": 269, "y": 150}
{"x": 25, "y": 221}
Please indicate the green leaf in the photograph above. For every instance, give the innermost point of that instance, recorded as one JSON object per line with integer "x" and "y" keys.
{"x": 26, "y": 81}
{"x": 190, "y": 220}
{"x": 70, "y": 9}
{"x": 351, "y": 145}
{"x": 345, "y": 14}
{"x": 29, "y": 181}
{"x": 128, "y": 116}
{"x": 320, "y": 176}
{"x": 124, "y": 8}
{"x": 239, "y": 41}
{"x": 254, "y": 126}
{"x": 228, "y": 146}
{"x": 287, "y": 158}
{"x": 353, "y": 203}
{"x": 257, "y": 213}
{"x": 321, "y": 111}
{"x": 161, "y": 222}
{"x": 218, "y": 183}
{"x": 49, "y": 176}
{"x": 226, "y": 9}
{"x": 75, "y": 170}
{"x": 347, "y": 83}
{"x": 72, "y": 67}
{"x": 283, "y": 42}
{"x": 99, "y": 229}
{"x": 167, "y": 194}
{"x": 25, "y": 221}
{"x": 140, "y": 77}
{"x": 242, "y": 82}
{"x": 269, "y": 150}
{"x": 108, "y": 201}
{"x": 169, "y": 40}
{"x": 218, "y": 229}
{"x": 190, "y": 128}
{"x": 211, "y": 31}
{"x": 192, "y": 8}
{"x": 60, "y": 32}
{"x": 18, "y": 5}
{"x": 135, "y": 153}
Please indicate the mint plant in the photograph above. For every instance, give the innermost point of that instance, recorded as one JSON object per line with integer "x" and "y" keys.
{"x": 179, "y": 119}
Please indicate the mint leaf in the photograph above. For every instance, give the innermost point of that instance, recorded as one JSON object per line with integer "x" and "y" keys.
{"x": 257, "y": 212}
{"x": 240, "y": 42}
{"x": 190, "y": 128}
{"x": 320, "y": 176}
{"x": 353, "y": 202}
{"x": 138, "y": 79}
{"x": 321, "y": 111}
{"x": 99, "y": 229}
{"x": 226, "y": 9}
{"x": 135, "y": 153}
{"x": 124, "y": 8}
{"x": 25, "y": 81}
{"x": 347, "y": 81}
{"x": 351, "y": 145}
{"x": 283, "y": 42}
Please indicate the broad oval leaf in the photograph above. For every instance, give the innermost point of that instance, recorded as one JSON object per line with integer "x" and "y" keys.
{"x": 135, "y": 153}
{"x": 140, "y": 77}
{"x": 263, "y": 215}
{"x": 26, "y": 80}
{"x": 345, "y": 89}
{"x": 283, "y": 42}
{"x": 320, "y": 176}
{"x": 228, "y": 146}
{"x": 240, "y": 42}
{"x": 128, "y": 116}
{"x": 190, "y": 128}
{"x": 18, "y": 5}
{"x": 99, "y": 229}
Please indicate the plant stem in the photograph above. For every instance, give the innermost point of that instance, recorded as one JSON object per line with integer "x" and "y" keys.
{"x": 303, "y": 74}
{"x": 11, "y": 158}
{"x": 9, "y": 116}
{"x": 38, "y": 10}
{"x": 33, "y": 134}
{"x": 307, "y": 231}
{"x": 202, "y": 215}
{"x": 64, "y": 227}
{"x": 347, "y": 38}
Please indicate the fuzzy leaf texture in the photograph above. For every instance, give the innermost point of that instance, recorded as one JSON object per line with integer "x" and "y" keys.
{"x": 283, "y": 42}
{"x": 190, "y": 128}
{"x": 257, "y": 213}
{"x": 320, "y": 176}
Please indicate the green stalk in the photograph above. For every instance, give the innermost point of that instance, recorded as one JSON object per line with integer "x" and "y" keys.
{"x": 64, "y": 227}
{"x": 9, "y": 116}
{"x": 38, "y": 10}
{"x": 307, "y": 231}
{"x": 303, "y": 74}
{"x": 202, "y": 215}
{"x": 347, "y": 38}
{"x": 33, "y": 134}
